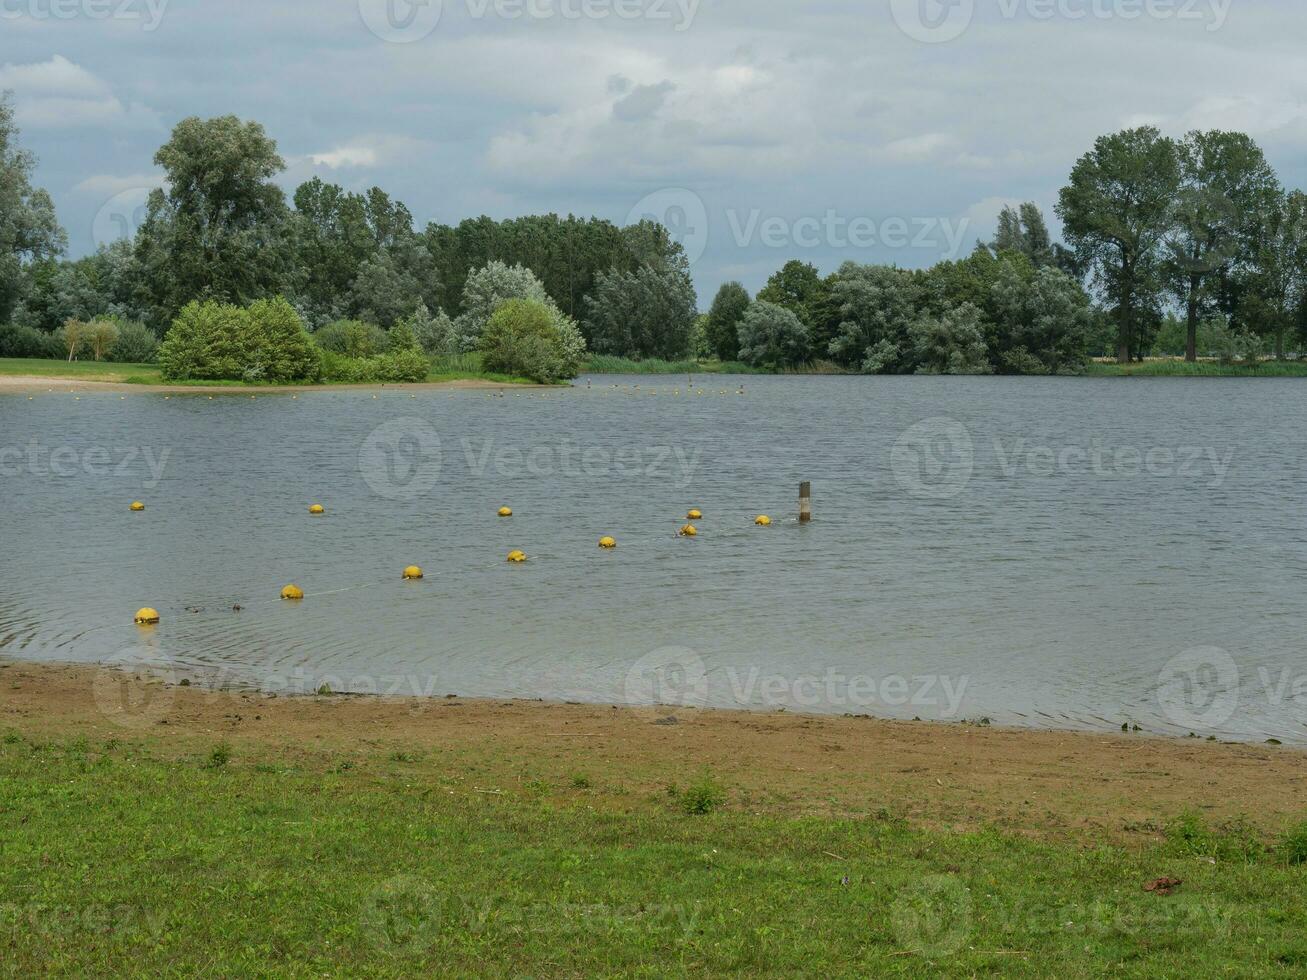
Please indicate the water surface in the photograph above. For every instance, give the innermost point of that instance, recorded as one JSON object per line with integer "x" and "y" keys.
{"x": 1050, "y": 552}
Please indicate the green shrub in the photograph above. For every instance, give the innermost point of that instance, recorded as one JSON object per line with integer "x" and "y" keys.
{"x": 393, "y": 368}
{"x": 264, "y": 342}
{"x": 203, "y": 343}
{"x": 529, "y": 338}
{"x": 136, "y": 344}
{"x": 279, "y": 347}
{"x": 19, "y": 341}
{"x": 352, "y": 338}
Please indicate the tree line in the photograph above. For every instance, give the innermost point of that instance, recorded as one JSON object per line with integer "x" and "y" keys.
{"x": 1168, "y": 242}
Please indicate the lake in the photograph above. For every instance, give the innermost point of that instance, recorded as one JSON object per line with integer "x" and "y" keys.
{"x": 1067, "y": 553}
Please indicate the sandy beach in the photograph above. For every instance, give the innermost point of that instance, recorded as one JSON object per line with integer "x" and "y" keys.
{"x": 957, "y": 776}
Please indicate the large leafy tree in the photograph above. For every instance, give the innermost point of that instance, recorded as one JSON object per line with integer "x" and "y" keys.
{"x": 772, "y": 336}
{"x": 801, "y": 289}
{"x": 1023, "y": 231}
{"x": 29, "y": 231}
{"x": 876, "y": 304}
{"x": 724, "y": 316}
{"x": 1116, "y": 212}
{"x": 1274, "y": 297}
{"x": 646, "y": 313}
{"x": 216, "y": 231}
{"x": 1228, "y": 194}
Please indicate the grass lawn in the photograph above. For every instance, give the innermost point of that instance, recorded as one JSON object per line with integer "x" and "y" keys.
{"x": 466, "y": 368}
{"x": 144, "y": 857}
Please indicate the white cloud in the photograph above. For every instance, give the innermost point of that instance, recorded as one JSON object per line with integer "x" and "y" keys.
{"x": 108, "y": 184}
{"x": 59, "y": 94}
{"x": 346, "y": 156}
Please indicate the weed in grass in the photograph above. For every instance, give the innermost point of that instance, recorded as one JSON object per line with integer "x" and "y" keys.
{"x": 12, "y": 739}
{"x": 1294, "y": 845}
{"x": 220, "y": 756}
{"x": 403, "y": 757}
{"x": 702, "y": 797}
{"x": 580, "y": 781}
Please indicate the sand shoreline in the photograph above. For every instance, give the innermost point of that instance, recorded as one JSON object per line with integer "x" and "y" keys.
{"x": 29, "y": 384}
{"x": 1046, "y": 783}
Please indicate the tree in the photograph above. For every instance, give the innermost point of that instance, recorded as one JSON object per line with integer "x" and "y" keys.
{"x": 951, "y": 343}
{"x": 647, "y": 313}
{"x": 384, "y": 292}
{"x": 1228, "y": 192}
{"x": 101, "y": 335}
{"x": 799, "y": 288}
{"x": 74, "y": 334}
{"x": 772, "y": 337}
{"x": 489, "y": 288}
{"x": 29, "y": 231}
{"x": 533, "y": 339}
{"x": 876, "y": 304}
{"x": 1275, "y": 299}
{"x": 1115, "y": 212}
{"x": 728, "y": 308}
{"x": 1024, "y": 232}
{"x": 217, "y": 230}
{"x": 1041, "y": 322}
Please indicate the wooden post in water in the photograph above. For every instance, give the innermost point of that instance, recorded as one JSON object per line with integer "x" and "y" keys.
{"x": 805, "y": 502}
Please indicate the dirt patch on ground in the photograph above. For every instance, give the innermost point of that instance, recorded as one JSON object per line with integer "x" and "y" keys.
{"x": 1049, "y": 784}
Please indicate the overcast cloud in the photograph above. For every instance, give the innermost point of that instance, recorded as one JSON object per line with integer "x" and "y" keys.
{"x": 760, "y": 130}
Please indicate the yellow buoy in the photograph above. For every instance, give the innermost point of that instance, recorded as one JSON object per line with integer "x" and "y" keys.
{"x": 505, "y": 511}
{"x": 695, "y": 515}
{"x": 607, "y": 543}
{"x": 688, "y": 531}
{"x": 517, "y": 557}
{"x": 412, "y": 572}
{"x": 137, "y": 505}
{"x": 292, "y": 592}
{"x": 317, "y": 509}
{"x": 147, "y": 616}
{"x": 762, "y": 520}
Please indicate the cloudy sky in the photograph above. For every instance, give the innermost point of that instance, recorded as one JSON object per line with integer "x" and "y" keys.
{"x": 759, "y": 130}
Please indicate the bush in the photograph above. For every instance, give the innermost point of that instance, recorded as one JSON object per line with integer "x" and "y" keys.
{"x": 529, "y": 338}
{"x": 703, "y": 797}
{"x": 393, "y": 368}
{"x": 489, "y": 288}
{"x": 19, "y": 341}
{"x": 136, "y": 344}
{"x": 264, "y": 342}
{"x": 352, "y": 338}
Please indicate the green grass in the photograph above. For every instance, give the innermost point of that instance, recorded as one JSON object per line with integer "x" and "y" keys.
{"x": 1199, "y": 369}
{"x": 121, "y": 859}
{"x": 466, "y": 367}
{"x": 81, "y": 370}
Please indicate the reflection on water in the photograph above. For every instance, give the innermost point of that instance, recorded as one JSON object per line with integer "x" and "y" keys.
{"x": 1043, "y": 552}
